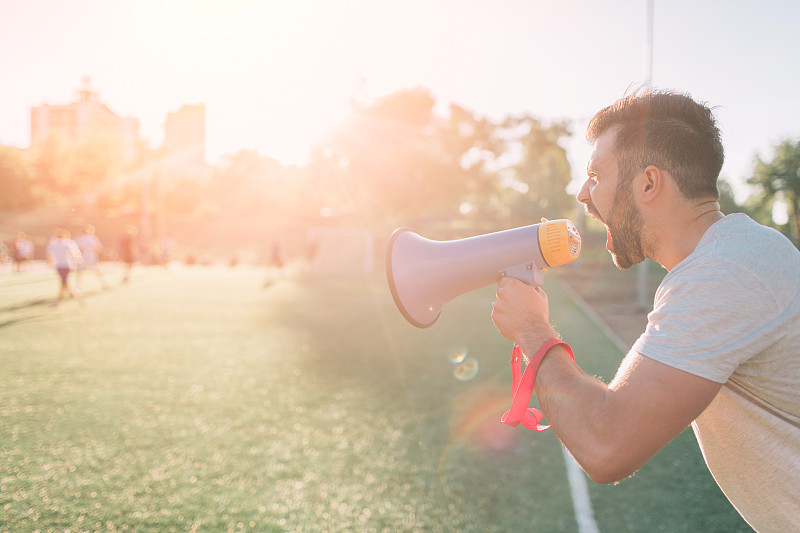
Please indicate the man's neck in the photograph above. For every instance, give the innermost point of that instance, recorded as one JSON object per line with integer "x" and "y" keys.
{"x": 680, "y": 234}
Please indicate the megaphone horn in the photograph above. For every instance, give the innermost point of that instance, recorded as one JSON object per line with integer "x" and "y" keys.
{"x": 425, "y": 274}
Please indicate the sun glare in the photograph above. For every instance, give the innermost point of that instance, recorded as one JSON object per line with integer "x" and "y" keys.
{"x": 265, "y": 70}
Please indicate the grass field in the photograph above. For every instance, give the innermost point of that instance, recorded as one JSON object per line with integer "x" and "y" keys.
{"x": 216, "y": 399}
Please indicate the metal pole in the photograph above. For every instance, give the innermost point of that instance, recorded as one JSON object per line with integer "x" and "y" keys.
{"x": 648, "y": 47}
{"x": 641, "y": 271}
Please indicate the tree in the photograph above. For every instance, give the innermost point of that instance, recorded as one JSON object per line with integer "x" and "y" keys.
{"x": 239, "y": 184}
{"x": 543, "y": 171}
{"x": 395, "y": 161}
{"x": 779, "y": 180}
{"x": 16, "y": 180}
{"x": 96, "y": 161}
{"x": 77, "y": 173}
{"x": 470, "y": 148}
{"x": 727, "y": 201}
{"x": 378, "y": 164}
{"x": 52, "y": 162}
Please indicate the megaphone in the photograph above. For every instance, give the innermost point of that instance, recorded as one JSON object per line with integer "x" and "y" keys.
{"x": 425, "y": 274}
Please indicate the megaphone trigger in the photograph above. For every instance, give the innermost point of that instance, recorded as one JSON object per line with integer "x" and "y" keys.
{"x": 525, "y": 272}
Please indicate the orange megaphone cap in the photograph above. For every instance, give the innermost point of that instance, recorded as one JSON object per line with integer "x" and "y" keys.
{"x": 559, "y": 241}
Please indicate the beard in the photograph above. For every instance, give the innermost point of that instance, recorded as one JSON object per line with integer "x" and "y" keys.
{"x": 626, "y": 230}
{"x": 627, "y": 236}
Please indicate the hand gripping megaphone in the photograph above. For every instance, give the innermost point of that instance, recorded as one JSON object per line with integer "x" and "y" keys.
{"x": 424, "y": 274}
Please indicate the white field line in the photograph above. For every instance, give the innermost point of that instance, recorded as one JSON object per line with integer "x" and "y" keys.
{"x": 580, "y": 495}
{"x": 577, "y": 479}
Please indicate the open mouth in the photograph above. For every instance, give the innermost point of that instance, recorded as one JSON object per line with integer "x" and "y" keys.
{"x": 595, "y": 215}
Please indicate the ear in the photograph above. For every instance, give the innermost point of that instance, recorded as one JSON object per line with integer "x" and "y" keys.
{"x": 650, "y": 184}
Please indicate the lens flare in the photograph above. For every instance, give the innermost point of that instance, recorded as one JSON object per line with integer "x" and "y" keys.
{"x": 475, "y": 424}
{"x": 457, "y": 354}
{"x": 466, "y": 369}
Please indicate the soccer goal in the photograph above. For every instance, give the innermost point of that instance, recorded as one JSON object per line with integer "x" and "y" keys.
{"x": 341, "y": 249}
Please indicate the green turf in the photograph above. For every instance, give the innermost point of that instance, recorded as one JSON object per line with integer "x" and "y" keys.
{"x": 204, "y": 399}
{"x": 673, "y": 492}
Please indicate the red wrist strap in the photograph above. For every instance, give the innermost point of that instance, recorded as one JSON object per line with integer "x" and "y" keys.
{"x": 522, "y": 387}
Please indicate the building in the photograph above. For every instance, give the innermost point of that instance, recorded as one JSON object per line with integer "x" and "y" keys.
{"x": 86, "y": 119}
{"x": 185, "y": 140}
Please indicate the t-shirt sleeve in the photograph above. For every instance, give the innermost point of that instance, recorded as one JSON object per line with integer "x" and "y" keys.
{"x": 709, "y": 319}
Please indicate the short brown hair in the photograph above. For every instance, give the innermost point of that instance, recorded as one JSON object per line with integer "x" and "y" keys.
{"x": 666, "y": 129}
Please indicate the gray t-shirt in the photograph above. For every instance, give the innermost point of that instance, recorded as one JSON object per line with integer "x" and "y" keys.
{"x": 730, "y": 312}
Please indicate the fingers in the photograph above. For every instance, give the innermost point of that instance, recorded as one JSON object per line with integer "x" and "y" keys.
{"x": 513, "y": 283}
{"x": 509, "y": 282}
{"x": 504, "y": 280}
{"x": 506, "y": 288}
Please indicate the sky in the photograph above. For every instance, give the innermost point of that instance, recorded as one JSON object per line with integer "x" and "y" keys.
{"x": 276, "y": 76}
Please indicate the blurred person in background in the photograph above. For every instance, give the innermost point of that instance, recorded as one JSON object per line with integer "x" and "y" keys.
{"x": 90, "y": 247}
{"x": 64, "y": 255}
{"x": 22, "y": 249}
{"x": 128, "y": 250}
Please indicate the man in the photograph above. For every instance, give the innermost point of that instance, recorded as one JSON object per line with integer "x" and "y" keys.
{"x": 90, "y": 247}
{"x": 64, "y": 255}
{"x": 128, "y": 250}
{"x": 22, "y": 251}
{"x": 721, "y": 350}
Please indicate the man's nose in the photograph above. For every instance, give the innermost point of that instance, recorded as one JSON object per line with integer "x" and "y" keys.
{"x": 583, "y": 195}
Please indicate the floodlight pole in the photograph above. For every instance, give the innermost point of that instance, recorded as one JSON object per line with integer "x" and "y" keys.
{"x": 648, "y": 46}
{"x": 641, "y": 271}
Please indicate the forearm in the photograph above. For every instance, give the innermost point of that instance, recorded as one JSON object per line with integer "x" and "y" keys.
{"x": 578, "y": 408}
{"x": 611, "y": 430}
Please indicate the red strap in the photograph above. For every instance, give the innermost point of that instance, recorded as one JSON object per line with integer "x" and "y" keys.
{"x": 522, "y": 387}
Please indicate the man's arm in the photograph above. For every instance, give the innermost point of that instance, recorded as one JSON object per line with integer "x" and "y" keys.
{"x": 611, "y": 430}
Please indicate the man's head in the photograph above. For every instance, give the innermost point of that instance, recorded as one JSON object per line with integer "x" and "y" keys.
{"x": 650, "y": 129}
{"x": 668, "y": 130}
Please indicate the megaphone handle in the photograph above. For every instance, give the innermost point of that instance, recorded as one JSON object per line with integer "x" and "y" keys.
{"x": 522, "y": 387}
{"x": 526, "y": 272}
